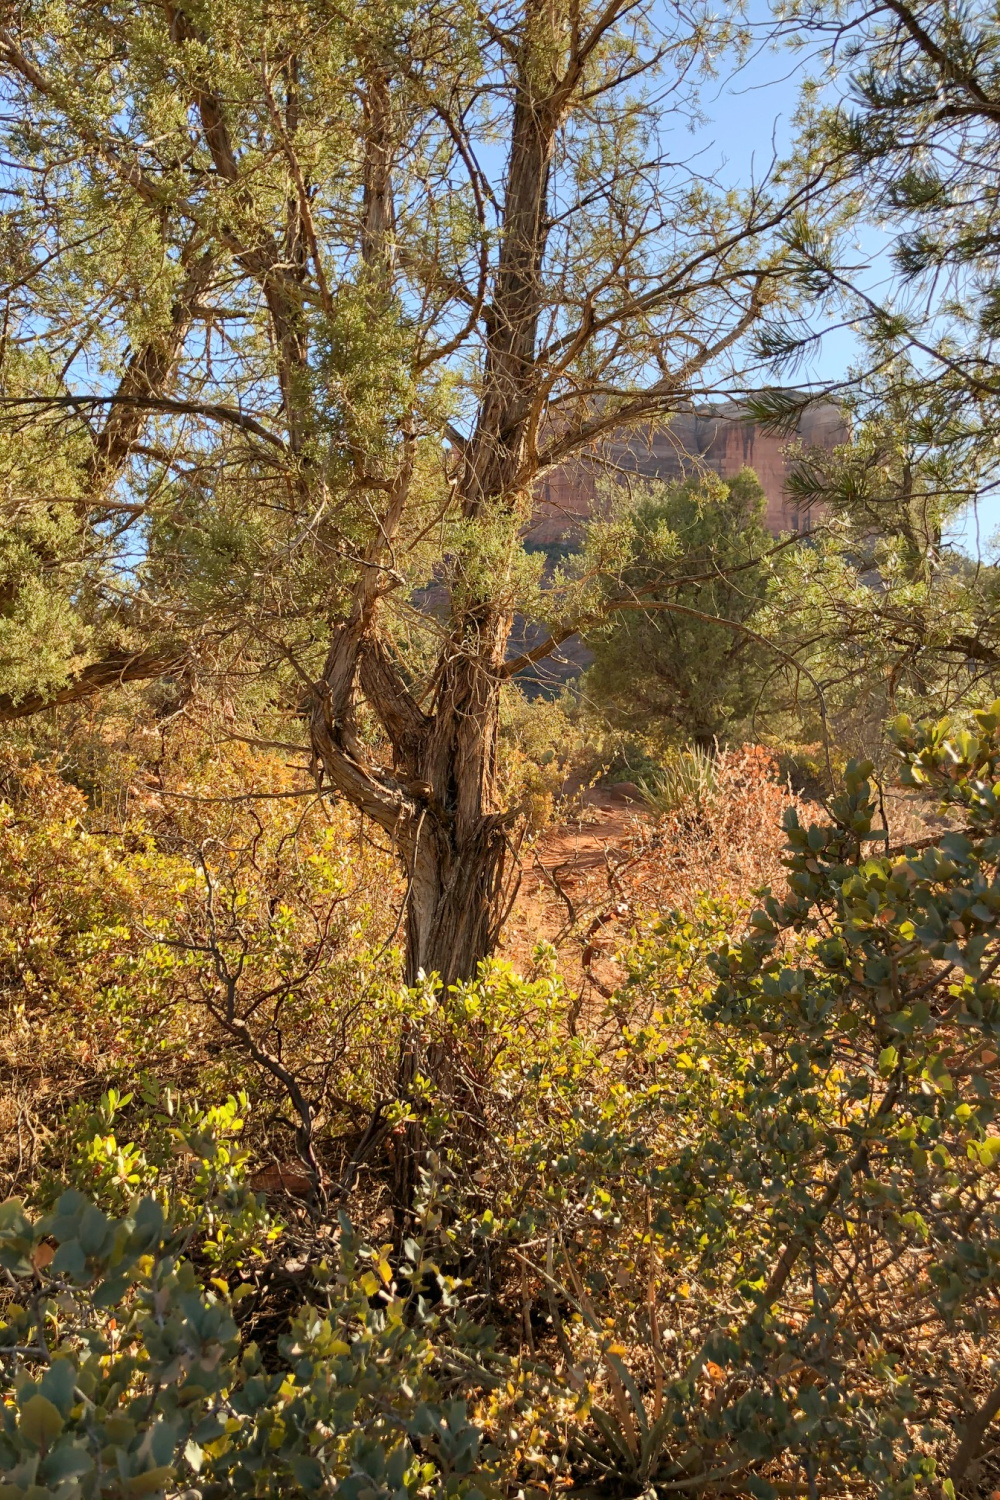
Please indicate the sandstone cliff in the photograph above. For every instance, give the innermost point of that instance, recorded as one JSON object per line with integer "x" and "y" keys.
{"x": 721, "y": 440}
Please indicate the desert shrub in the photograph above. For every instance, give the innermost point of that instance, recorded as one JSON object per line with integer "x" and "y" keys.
{"x": 552, "y": 749}
{"x": 70, "y": 961}
{"x": 215, "y": 943}
{"x": 124, "y": 1372}
{"x": 751, "y": 1220}
{"x": 737, "y": 1229}
{"x": 536, "y": 750}
{"x": 773, "y": 1235}
{"x": 723, "y": 835}
{"x": 724, "y": 844}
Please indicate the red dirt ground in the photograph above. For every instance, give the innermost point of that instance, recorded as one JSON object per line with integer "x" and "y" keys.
{"x": 568, "y": 876}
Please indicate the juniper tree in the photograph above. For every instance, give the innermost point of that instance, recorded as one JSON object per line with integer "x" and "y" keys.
{"x": 677, "y": 677}
{"x": 303, "y": 303}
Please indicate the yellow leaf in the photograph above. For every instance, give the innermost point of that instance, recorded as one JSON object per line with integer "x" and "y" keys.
{"x": 153, "y": 1479}
{"x": 41, "y": 1422}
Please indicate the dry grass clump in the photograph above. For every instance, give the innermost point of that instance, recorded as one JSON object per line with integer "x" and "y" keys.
{"x": 725, "y": 842}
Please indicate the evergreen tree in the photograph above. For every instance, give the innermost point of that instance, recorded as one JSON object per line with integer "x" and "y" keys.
{"x": 680, "y": 677}
{"x": 911, "y": 129}
{"x": 902, "y": 618}
{"x": 886, "y": 610}
{"x": 296, "y": 348}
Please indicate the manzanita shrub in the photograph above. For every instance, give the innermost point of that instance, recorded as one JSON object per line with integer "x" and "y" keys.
{"x": 763, "y": 1224}
{"x": 812, "y": 1303}
{"x": 125, "y": 1374}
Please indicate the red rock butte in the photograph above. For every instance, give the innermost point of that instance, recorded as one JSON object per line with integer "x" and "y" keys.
{"x": 719, "y": 440}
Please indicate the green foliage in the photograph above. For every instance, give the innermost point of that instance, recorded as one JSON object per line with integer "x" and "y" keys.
{"x": 685, "y": 778}
{"x": 700, "y": 546}
{"x": 909, "y": 120}
{"x": 908, "y": 117}
{"x": 170, "y": 1148}
{"x": 821, "y": 1123}
{"x": 183, "y": 946}
{"x": 266, "y": 292}
{"x": 124, "y": 1373}
{"x": 746, "y": 1207}
{"x": 742, "y": 1219}
{"x": 705, "y": 1226}
{"x": 883, "y": 610}
{"x": 45, "y": 587}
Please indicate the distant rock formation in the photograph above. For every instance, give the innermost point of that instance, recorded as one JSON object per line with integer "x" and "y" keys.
{"x": 721, "y": 439}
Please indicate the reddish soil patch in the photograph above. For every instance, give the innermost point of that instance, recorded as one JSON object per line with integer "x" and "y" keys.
{"x": 607, "y": 872}
{"x": 568, "y": 877}
{"x": 609, "y": 818}
{"x": 589, "y": 881}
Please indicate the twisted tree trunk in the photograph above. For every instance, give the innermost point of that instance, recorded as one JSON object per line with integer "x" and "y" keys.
{"x": 457, "y": 850}
{"x": 440, "y": 802}
{"x": 459, "y": 895}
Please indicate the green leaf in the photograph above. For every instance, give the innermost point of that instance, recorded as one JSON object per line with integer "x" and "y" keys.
{"x": 94, "y": 1231}
{"x": 759, "y": 1487}
{"x": 308, "y": 1473}
{"x": 69, "y": 1260}
{"x": 887, "y": 1060}
{"x": 67, "y": 1460}
{"x": 58, "y": 1384}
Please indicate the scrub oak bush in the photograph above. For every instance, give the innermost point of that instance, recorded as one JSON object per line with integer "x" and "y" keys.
{"x": 209, "y": 945}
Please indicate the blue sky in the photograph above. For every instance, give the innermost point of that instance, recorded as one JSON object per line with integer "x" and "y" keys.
{"x": 750, "y": 115}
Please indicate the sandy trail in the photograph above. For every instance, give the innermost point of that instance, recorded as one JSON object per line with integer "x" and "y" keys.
{"x": 568, "y": 875}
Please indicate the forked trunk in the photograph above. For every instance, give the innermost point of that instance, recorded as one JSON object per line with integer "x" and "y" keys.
{"x": 439, "y": 803}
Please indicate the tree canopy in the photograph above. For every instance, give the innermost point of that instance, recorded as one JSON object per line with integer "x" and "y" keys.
{"x": 301, "y": 308}
{"x": 698, "y": 676}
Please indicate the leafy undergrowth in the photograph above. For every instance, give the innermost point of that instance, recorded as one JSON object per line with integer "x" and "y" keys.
{"x": 735, "y": 1231}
